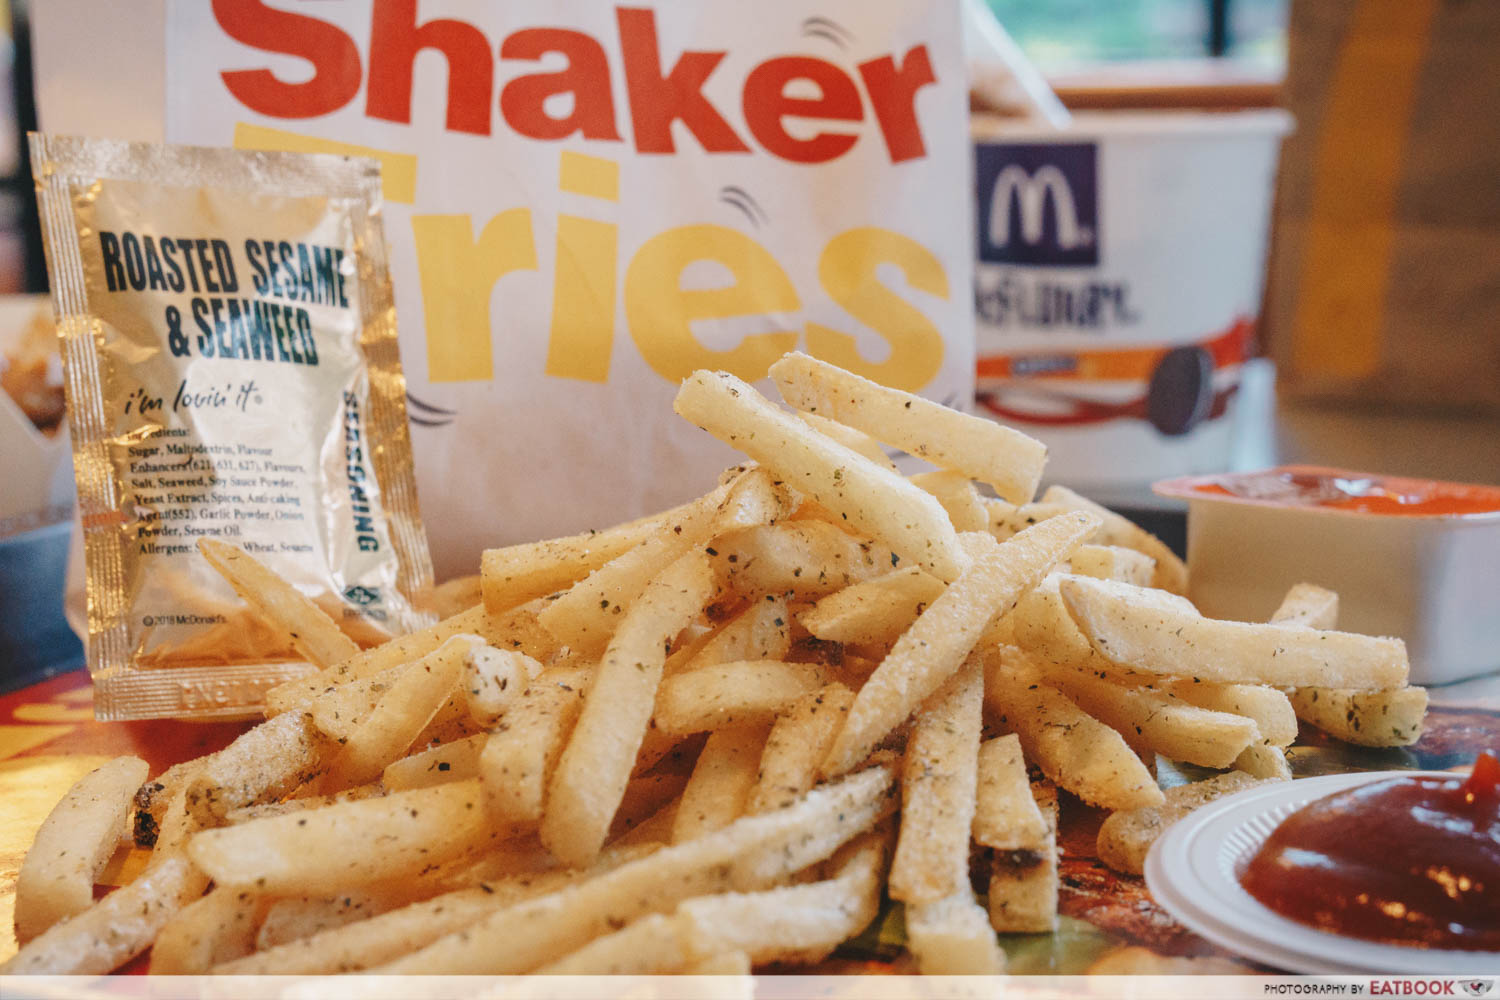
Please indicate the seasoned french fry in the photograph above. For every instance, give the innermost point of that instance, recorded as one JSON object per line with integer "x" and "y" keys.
{"x": 937, "y": 643}
{"x": 1264, "y": 760}
{"x": 519, "y": 573}
{"x": 1074, "y": 749}
{"x": 722, "y": 779}
{"x": 733, "y": 694}
{"x": 591, "y": 775}
{"x": 1023, "y": 882}
{"x": 314, "y": 634}
{"x": 493, "y": 679}
{"x": 802, "y": 558}
{"x": 1171, "y": 572}
{"x": 1172, "y": 727}
{"x": 850, "y": 438}
{"x": 265, "y": 763}
{"x": 729, "y": 963}
{"x": 1367, "y": 718}
{"x": 215, "y": 928}
{"x": 992, "y": 453}
{"x": 938, "y": 783}
{"x": 801, "y": 923}
{"x": 1044, "y": 627}
{"x": 152, "y": 798}
{"x": 115, "y": 929}
{"x": 348, "y": 844}
{"x": 1006, "y": 816}
{"x": 533, "y": 933}
{"x": 875, "y": 611}
{"x": 73, "y": 845}
{"x": 874, "y": 500}
{"x": 296, "y": 917}
{"x": 1310, "y": 605}
{"x": 519, "y": 757}
{"x": 956, "y": 492}
{"x": 799, "y": 740}
{"x": 455, "y": 761}
{"x": 402, "y": 712}
{"x": 762, "y": 631}
{"x": 1126, "y": 836}
{"x": 952, "y": 937}
{"x": 1268, "y": 707}
{"x": 585, "y": 616}
{"x": 1113, "y": 562}
{"x": 652, "y": 945}
{"x": 1187, "y": 645}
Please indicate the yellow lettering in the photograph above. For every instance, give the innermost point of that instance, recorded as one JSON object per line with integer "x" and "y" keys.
{"x": 583, "y": 286}
{"x": 846, "y": 271}
{"x": 458, "y": 276}
{"x": 661, "y": 312}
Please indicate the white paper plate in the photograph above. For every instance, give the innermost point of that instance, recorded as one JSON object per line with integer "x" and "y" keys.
{"x": 1191, "y": 871}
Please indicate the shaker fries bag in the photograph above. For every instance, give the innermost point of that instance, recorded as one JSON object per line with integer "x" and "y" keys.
{"x": 587, "y": 201}
{"x": 231, "y": 371}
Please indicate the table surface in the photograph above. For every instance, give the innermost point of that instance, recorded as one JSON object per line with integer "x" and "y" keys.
{"x": 49, "y": 738}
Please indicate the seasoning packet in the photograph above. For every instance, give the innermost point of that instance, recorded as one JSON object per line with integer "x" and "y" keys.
{"x": 228, "y": 335}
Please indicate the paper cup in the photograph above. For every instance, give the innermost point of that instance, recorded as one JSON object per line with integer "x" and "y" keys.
{"x": 1118, "y": 284}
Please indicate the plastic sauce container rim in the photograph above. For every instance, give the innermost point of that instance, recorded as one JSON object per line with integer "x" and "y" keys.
{"x": 1185, "y": 488}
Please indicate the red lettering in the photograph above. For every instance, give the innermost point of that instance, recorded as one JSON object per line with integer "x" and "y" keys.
{"x": 587, "y": 78}
{"x": 395, "y": 40}
{"x": 333, "y": 54}
{"x": 767, "y": 106}
{"x": 656, "y": 101}
{"x": 893, "y": 92}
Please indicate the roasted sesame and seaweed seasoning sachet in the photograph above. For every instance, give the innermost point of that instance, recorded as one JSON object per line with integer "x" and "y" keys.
{"x": 232, "y": 376}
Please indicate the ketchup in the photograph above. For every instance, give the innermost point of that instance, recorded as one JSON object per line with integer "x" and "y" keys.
{"x": 1351, "y": 491}
{"x": 1413, "y": 861}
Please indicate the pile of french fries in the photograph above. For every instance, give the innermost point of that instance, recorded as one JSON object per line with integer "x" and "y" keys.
{"x": 717, "y": 738}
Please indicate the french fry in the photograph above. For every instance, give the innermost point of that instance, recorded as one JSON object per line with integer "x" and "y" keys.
{"x": 729, "y": 963}
{"x": 295, "y": 917}
{"x": 874, "y": 611}
{"x": 992, "y": 453}
{"x": 75, "y": 841}
{"x": 956, "y": 492}
{"x": 115, "y": 929}
{"x": 952, "y": 937}
{"x": 517, "y": 574}
{"x": 530, "y": 934}
{"x": 151, "y": 799}
{"x": 1074, "y": 749}
{"x": 1044, "y": 627}
{"x": 801, "y": 923}
{"x": 652, "y": 945}
{"x": 1172, "y": 727}
{"x": 1006, "y": 816}
{"x": 585, "y": 616}
{"x": 1126, "y": 836}
{"x": 215, "y": 928}
{"x": 402, "y": 712}
{"x": 1186, "y": 645}
{"x": 1171, "y": 572}
{"x": 265, "y": 763}
{"x": 455, "y": 761}
{"x": 1366, "y": 718}
{"x": 1264, "y": 760}
{"x": 762, "y": 631}
{"x": 850, "y": 438}
{"x": 801, "y": 558}
{"x": 1023, "y": 882}
{"x": 1113, "y": 562}
{"x": 938, "y": 783}
{"x": 1268, "y": 707}
{"x": 937, "y": 643}
{"x": 348, "y": 844}
{"x": 493, "y": 679}
{"x": 733, "y": 694}
{"x": 244, "y": 814}
{"x": 314, "y": 634}
{"x": 591, "y": 775}
{"x": 1310, "y": 605}
{"x": 519, "y": 757}
{"x": 799, "y": 740}
{"x": 721, "y": 783}
{"x": 875, "y": 501}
